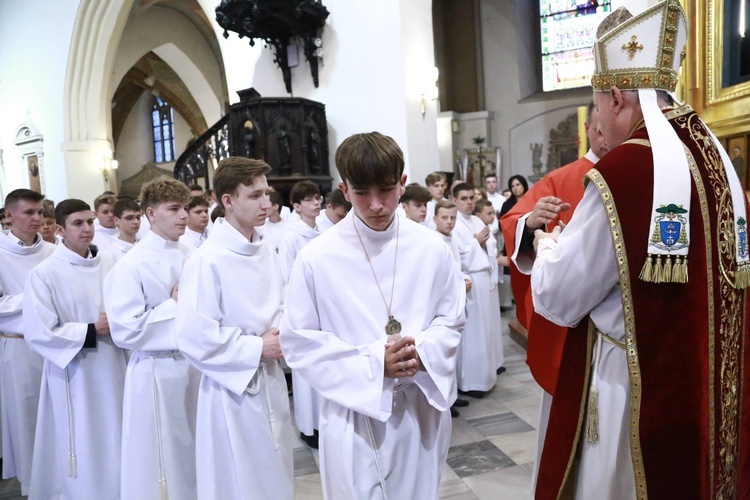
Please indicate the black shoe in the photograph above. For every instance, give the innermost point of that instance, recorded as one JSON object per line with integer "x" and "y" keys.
{"x": 500, "y": 370}
{"x": 311, "y": 441}
{"x": 454, "y": 412}
{"x": 505, "y": 309}
{"x": 460, "y": 403}
{"x": 473, "y": 394}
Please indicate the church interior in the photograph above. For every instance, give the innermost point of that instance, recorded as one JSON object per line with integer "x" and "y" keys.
{"x": 110, "y": 94}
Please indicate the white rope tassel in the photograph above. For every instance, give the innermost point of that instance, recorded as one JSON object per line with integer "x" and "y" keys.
{"x": 592, "y": 410}
{"x": 163, "y": 491}
{"x": 72, "y": 461}
{"x": 377, "y": 459}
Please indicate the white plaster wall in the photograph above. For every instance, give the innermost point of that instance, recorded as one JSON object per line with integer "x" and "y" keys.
{"x": 176, "y": 40}
{"x": 367, "y": 82}
{"x": 135, "y": 146}
{"x": 34, "y": 39}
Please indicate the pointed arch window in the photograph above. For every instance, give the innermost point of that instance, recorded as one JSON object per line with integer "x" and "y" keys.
{"x": 162, "y": 120}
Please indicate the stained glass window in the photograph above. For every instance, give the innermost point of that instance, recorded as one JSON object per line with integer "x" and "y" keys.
{"x": 162, "y": 120}
{"x": 568, "y": 31}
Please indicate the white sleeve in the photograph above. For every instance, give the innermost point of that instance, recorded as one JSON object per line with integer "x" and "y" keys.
{"x": 43, "y": 331}
{"x": 572, "y": 277}
{"x": 222, "y": 353}
{"x": 132, "y": 325}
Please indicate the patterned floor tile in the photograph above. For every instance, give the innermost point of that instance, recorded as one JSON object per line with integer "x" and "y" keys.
{"x": 499, "y": 424}
{"x": 477, "y": 458}
{"x": 510, "y": 482}
{"x": 521, "y": 447}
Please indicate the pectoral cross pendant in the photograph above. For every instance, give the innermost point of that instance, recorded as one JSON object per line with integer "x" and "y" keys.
{"x": 393, "y": 326}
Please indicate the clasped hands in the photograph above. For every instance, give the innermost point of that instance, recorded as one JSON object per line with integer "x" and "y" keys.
{"x": 401, "y": 357}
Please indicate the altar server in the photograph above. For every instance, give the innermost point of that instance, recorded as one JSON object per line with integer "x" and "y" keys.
{"x": 77, "y": 445}
{"x": 477, "y": 357}
{"x": 21, "y": 248}
{"x": 104, "y": 225}
{"x": 384, "y": 421}
{"x": 161, "y": 388}
{"x": 305, "y": 197}
{"x": 128, "y": 221}
{"x": 244, "y": 428}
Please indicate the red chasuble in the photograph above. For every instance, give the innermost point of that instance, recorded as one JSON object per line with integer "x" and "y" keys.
{"x": 546, "y": 339}
{"x": 687, "y": 344}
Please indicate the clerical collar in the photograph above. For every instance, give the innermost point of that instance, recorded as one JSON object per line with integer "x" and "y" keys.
{"x": 368, "y": 233}
{"x": 9, "y": 242}
{"x": 64, "y": 253}
{"x": 153, "y": 239}
{"x": 229, "y": 237}
{"x": 591, "y": 156}
{"x": 20, "y": 243}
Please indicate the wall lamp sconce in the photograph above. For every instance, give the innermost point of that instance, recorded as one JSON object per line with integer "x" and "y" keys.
{"x": 432, "y": 93}
{"x": 108, "y": 165}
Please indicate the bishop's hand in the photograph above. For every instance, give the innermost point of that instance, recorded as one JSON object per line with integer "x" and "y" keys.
{"x": 545, "y": 211}
{"x": 400, "y": 358}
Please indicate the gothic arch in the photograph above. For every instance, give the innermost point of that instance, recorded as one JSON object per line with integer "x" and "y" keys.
{"x": 96, "y": 36}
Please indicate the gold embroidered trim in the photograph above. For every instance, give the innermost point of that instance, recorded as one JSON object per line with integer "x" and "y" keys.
{"x": 711, "y": 330}
{"x": 636, "y": 79}
{"x": 677, "y": 112}
{"x": 639, "y": 142}
{"x": 634, "y": 368}
{"x": 591, "y": 335}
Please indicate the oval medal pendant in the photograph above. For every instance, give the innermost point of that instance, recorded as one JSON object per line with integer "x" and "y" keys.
{"x": 393, "y": 326}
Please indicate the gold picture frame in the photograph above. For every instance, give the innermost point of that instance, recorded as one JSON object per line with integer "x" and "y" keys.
{"x": 725, "y": 110}
{"x": 716, "y": 93}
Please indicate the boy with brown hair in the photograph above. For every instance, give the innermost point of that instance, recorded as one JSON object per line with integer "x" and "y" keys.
{"x": 161, "y": 388}
{"x": 436, "y": 183}
{"x": 373, "y": 337}
{"x": 414, "y": 202}
{"x": 48, "y": 226}
{"x": 128, "y": 221}
{"x": 244, "y": 427}
{"x": 196, "y": 231}
{"x": 104, "y": 225}
{"x": 21, "y": 249}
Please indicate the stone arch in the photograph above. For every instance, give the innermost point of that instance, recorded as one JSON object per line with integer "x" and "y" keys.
{"x": 96, "y": 36}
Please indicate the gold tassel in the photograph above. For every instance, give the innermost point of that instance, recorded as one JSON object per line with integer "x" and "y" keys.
{"x": 647, "y": 271}
{"x": 742, "y": 276}
{"x": 677, "y": 270}
{"x": 592, "y": 415}
{"x": 657, "y": 270}
{"x": 685, "y": 271}
{"x": 666, "y": 276}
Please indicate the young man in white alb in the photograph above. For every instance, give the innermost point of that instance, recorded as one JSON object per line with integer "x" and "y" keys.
{"x": 197, "y": 227}
{"x": 477, "y": 356}
{"x": 445, "y": 221}
{"x": 436, "y": 183}
{"x": 377, "y": 317}
{"x": 485, "y": 210}
{"x": 305, "y": 198}
{"x": 106, "y": 230}
{"x": 128, "y": 221}
{"x": 244, "y": 428}
{"x": 21, "y": 249}
{"x": 161, "y": 388}
{"x": 79, "y": 423}
{"x": 48, "y": 226}
{"x": 336, "y": 209}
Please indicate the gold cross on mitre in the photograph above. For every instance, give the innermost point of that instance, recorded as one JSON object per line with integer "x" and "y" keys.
{"x": 633, "y": 46}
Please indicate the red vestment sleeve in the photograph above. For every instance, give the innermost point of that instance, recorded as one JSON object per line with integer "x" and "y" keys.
{"x": 545, "y": 339}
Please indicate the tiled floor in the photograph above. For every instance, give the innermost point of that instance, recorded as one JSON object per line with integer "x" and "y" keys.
{"x": 492, "y": 445}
